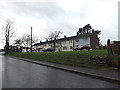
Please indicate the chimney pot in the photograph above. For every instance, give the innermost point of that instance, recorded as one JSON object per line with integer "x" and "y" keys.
{"x": 64, "y": 36}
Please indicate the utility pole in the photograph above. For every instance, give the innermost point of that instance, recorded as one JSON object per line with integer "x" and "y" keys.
{"x": 31, "y": 39}
{"x": 27, "y": 44}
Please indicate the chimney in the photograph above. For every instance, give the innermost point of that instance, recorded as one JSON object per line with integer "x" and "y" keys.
{"x": 40, "y": 41}
{"x": 92, "y": 30}
{"x": 64, "y": 36}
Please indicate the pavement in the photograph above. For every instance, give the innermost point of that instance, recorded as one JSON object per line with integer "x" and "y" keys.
{"x": 110, "y": 75}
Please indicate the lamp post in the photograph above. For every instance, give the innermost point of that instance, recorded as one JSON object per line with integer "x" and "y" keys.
{"x": 27, "y": 41}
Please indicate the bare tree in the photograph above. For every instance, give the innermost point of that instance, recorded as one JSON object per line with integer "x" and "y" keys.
{"x": 8, "y": 31}
{"x": 25, "y": 40}
{"x": 53, "y": 36}
{"x": 18, "y": 42}
{"x": 87, "y": 29}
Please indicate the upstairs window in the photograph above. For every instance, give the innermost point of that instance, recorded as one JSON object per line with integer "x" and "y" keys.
{"x": 77, "y": 40}
{"x": 85, "y": 39}
{"x": 45, "y": 45}
{"x": 64, "y": 42}
{"x": 70, "y": 41}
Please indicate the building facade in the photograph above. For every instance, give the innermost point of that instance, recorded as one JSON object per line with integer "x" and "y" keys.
{"x": 69, "y": 43}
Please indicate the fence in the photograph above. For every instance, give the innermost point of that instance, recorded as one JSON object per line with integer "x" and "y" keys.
{"x": 114, "y": 52}
{"x": 113, "y": 48}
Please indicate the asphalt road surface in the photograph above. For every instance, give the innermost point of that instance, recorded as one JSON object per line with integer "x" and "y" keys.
{"x": 21, "y": 74}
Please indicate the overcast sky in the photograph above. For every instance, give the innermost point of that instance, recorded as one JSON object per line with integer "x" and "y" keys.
{"x": 65, "y": 15}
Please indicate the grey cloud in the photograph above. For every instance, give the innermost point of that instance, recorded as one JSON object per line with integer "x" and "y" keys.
{"x": 55, "y": 16}
{"x": 51, "y": 12}
{"x": 43, "y": 9}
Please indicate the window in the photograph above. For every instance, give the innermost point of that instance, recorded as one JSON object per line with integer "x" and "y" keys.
{"x": 64, "y": 42}
{"x": 77, "y": 45}
{"x": 71, "y": 47}
{"x": 85, "y": 38}
{"x": 70, "y": 41}
{"x": 77, "y": 40}
{"x": 64, "y": 48}
{"x": 45, "y": 45}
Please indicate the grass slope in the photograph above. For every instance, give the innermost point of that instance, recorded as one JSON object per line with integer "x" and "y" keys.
{"x": 74, "y": 58}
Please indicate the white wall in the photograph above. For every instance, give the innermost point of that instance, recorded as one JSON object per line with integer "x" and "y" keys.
{"x": 67, "y": 44}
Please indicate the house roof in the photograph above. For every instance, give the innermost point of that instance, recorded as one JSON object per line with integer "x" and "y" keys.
{"x": 66, "y": 38}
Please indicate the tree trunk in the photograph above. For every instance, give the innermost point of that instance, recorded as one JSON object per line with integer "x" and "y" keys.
{"x": 54, "y": 45}
{"x": 7, "y": 48}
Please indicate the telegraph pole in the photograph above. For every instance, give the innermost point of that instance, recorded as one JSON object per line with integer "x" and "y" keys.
{"x": 31, "y": 39}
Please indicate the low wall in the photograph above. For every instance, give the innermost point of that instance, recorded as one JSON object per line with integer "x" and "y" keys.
{"x": 114, "y": 52}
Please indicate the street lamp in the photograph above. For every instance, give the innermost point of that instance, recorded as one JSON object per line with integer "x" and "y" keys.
{"x": 27, "y": 41}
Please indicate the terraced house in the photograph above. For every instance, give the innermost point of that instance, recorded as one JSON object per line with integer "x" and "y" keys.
{"x": 70, "y": 43}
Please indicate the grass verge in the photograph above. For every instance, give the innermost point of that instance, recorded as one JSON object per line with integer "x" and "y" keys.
{"x": 73, "y": 58}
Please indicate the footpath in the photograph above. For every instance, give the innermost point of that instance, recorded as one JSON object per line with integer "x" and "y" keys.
{"x": 113, "y": 76}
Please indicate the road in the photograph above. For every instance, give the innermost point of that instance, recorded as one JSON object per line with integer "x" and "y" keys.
{"x": 21, "y": 74}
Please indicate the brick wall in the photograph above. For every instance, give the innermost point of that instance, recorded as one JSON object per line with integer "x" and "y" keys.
{"x": 94, "y": 41}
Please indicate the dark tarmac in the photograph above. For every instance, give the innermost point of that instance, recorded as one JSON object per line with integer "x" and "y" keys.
{"x": 21, "y": 74}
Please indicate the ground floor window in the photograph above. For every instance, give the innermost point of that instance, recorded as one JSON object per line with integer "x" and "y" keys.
{"x": 71, "y": 47}
{"x": 76, "y": 45}
{"x": 64, "y": 48}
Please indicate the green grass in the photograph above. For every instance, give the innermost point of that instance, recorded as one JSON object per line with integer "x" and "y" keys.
{"x": 73, "y": 58}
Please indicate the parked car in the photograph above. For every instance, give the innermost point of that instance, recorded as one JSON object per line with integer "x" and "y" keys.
{"x": 82, "y": 48}
{"x": 48, "y": 50}
{"x": 40, "y": 50}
